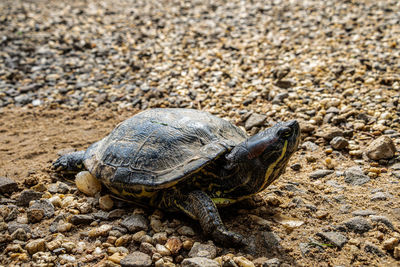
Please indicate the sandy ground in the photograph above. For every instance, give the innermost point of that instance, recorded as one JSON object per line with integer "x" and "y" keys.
{"x": 31, "y": 138}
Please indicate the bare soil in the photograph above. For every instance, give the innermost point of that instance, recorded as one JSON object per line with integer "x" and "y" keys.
{"x": 31, "y": 138}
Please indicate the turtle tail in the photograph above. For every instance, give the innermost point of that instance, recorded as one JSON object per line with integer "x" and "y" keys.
{"x": 70, "y": 163}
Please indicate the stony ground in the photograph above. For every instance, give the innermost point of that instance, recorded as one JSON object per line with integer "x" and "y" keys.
{"x": 70, "y": 71}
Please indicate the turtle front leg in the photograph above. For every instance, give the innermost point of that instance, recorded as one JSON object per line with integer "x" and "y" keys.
{"x": 199, "y": 206}
{"x": 71, "y": 162}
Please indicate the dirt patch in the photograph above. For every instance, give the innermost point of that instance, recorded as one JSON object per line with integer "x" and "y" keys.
{"x": 31, "y": 139}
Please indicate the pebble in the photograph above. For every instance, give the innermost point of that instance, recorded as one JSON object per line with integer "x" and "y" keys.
{"x": 13, "y": 226}
{"x": 381, "y": 148}
{"x": 116, "y": 257}
{"x": 358, "y": 225}
{"x": 271, "y": 240}
{"x": 162, "y": 250}
{"x": 378, "y": 196}
{"x": 371, "y": 248}
{"x": 334, "y": 238}
{"x": 203, "y": 250}
{"x": 396, "y": 253}
{"x": 81, "y": 219}
{"x": 35, "y": 215}
{"x": 44, "y": 205}
{"x": 27, "y": 196}
{"x": 255, "y": 120}
{"x": 243, "y": 262}
{"x": 160, "y": 238}
{"x": 186, "y": 230}
{"x": 363, "y": 212}
{"x": 103, "y": 230}
{"x": 382, "y": 219}
{"x": 35, "y": 245}
{"x": 390, "y": 244}
{"x": 320, "y": 174}
{"x": 355, "y": 176}
{"x": 339, "y": 143}
{"x": 7, "y": 186}
{"x": 136, "y": 259}
{"x": 199, "y": 262}
{"x": 123, "y": 240}
{"x": 106, "y": 203}
{"x": 87, "y": 183}
{"x": 174, "y": 245}
{"x": 274, "y": 262}
{"x": 135, "y": 223}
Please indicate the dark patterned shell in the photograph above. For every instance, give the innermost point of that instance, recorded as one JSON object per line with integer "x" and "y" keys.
{"x": 158, "y": 147}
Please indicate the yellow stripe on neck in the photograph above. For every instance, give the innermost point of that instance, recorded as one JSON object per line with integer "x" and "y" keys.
{"x": 272, "y": 166}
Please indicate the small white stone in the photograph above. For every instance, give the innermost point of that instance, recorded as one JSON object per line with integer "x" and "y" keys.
{"x": 87, "y": 183}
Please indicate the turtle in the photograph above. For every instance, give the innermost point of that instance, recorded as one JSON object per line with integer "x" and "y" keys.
{"x": 187, "y": 160}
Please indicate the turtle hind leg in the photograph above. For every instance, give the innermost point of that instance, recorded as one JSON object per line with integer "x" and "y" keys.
{"x": 199, "y": 206}
{"x": 70, "y": 163}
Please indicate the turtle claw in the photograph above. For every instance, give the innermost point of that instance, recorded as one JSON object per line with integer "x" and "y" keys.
{"x": 228, "y": 238}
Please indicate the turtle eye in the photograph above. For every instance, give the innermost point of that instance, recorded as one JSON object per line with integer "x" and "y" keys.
{"x": 285, "y": 132}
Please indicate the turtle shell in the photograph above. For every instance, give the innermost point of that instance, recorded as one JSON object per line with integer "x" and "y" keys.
{"x": 159, "y": 147}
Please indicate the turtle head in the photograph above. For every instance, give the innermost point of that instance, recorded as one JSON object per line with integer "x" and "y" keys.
{"x": 268, "y": 151}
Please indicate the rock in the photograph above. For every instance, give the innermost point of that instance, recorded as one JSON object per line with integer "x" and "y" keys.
{"x": 255, "y": 120}
{"x": 320, "y": 174}
{"x": 63, "y": 227}
{"x": 390, "y": 244}
{"x": 378, "y": 196}
{"x": 101, "y": 215}
{"x": 271, "y": 240}
{"x": 147, "y": 248}
{"x": 136, "y": 259}
{"x": 35, "y": 215}
{"x": 243, "y": 262}
{"x": 81, "y": 219}
{"x": 186, "y": 230}
{"x": 396, "y": 253}
{"x": 339, "y": 143}
{"x": 335, "y": 238}
{"x": 13, "y": 226}
{"x": 122, "y": 240}
{"x": 278, "y": 99}
{"x": 305, "y": 248}
{"x": 116, "y": 257}
{"x": 355, "y": 176}
{"x": 162, "y": 250}
{"x": 87, "y": 183}
{"x": 160, "y": 238}
{"x": 285, "y": 84}
{"x": 371, "y": 248}
{"x": 35, "y": 245}
{"x": 106, "y": 203}
{"x": 381, "y": 148}
{"x": 329, "y": 133}
{"x": 309, "y": 146}
{"x": 19, "y": 234}
{"x": 100, "y": 231}
{"x": 274, "y": 262}
{"x": 7, "y": 186}
{"x": 203, "y": 250}
{"x": 27, "y": 196}
{"x": 44, "y": 205}
{"x": 67, "y": 258}
{"x": 358, "y": 225}
{"x": 199, "y": 262}
{"x": 382, "y": 219}
{"x": 363, "y": 212}
{"x": 295, "y": 166}
{"x": 135, "y": 223}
